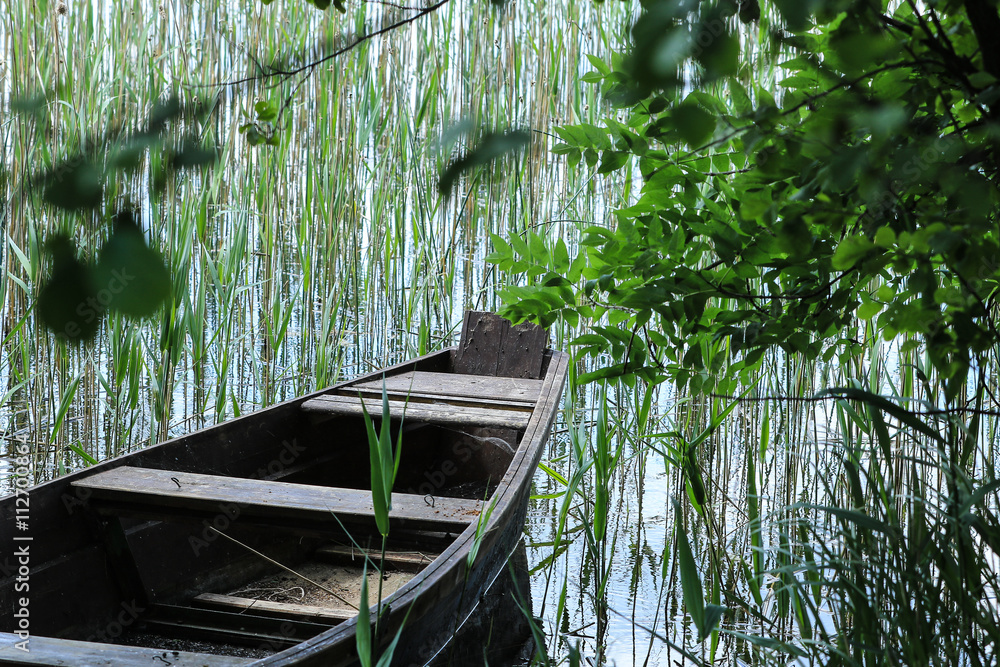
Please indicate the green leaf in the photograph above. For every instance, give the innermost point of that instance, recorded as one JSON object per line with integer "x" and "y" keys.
{"x": 379, "y": 506}
{"x": 720, "y": 56}
{"x": 885, "y": 237}
{"x": 885, "y": 293}
{"x": 66, "y": 302}
{"x": 384, "y": 465}
{"x": 705, "y": 618}
{"x": 162, "y": 113}
{"x": 363, "y": 634}
{"x": 74, "y": 184}
{"x": 83, "y": 454}
{"x": 599, "y": 65}
{"x": 492, "y": 147}
{"x": 560, "y": 258}
{"x": 32, "y": 105}
{"x": 866, "y": 311}
{"x": 850, "y": 251}
{"x": 796, "y": 12}
{"x": 267, "y": 110}
{"x": 886, "y": 406}
{"x": 613, "y": 161}
{"x": 130, "y": 277}
{"x": 768, "y": 643}
{"x": 693, "y": 122}
{"x": 854, "y": 517}
{"x": 713, "y": 614}
{"x": 190, "y": 154}
{"x": 749, "y": 11}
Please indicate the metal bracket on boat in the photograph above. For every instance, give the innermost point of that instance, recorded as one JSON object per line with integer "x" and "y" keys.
{"x": 430, "y": 503}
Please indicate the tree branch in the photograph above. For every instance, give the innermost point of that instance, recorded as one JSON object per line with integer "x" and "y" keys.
{"x": 360, "y": 39}
{"x": 985, "y": 24}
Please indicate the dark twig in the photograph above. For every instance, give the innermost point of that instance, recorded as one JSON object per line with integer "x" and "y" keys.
{"x": 833, "y": 396}
{"x": 361, "y": 39}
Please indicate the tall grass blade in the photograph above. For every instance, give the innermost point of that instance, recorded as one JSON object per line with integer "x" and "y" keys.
{"x": 705, "y": 617}
{"x": 384, "y": 465}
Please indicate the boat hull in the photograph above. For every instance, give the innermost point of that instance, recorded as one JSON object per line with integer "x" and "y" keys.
{"x": 76, "y": 590}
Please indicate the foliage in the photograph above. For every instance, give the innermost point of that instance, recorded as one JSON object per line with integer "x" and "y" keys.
{"x": 906, "y": 572}
{"x": 488, "y": 150}
{"x": 864, "y": 192}
{"x": 858, "y": 202}
{"x": 261, "y": 129}
{"x": 128, "y": 276}
{"x": 384, "y": 462}
{"x": 364, "y": 642}
{"x": 705, "y": 617}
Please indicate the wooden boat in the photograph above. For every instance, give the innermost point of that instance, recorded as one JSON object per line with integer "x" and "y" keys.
{"x": 161, "y": 556}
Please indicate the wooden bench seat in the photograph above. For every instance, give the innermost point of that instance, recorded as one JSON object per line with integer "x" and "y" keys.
{"x": 276, "y": 609}
{"x": 438, "y": 398}
{"x": 244, "y": 627}
{"x": 71, "y": 653}
{"x": 454, "y": 386}
{"x": 407, "y": 561}
{"x": 159, "y": 494}
{"x": 431, "y": 413}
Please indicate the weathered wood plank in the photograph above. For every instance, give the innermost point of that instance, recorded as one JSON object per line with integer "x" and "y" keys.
{"x": 302, "y": 612}
{"x": 409, "y": 561}
{"x": 160, "y": 493}
{"x": 230, "y": 627}
{"x": 433, "y": 413}
{"x": 433, "y": 400}
{"x": 71, "y": 653}
{"x": 491, "y": 346}
{"x": 123, "y": 567}
{"x": 479, "y": 387}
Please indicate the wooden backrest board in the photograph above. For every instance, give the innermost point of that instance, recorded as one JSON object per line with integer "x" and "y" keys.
{"x": 491, "y": 345}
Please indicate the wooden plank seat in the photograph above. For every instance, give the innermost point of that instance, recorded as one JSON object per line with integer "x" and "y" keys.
{"x": 246, "y": 628}
{"x": 54, "y": 652}
{"x": 510, "y": 416}
{"x": 147, "y": 492}
{"x": 453, "y": 387}
{"x": 407, "y": 561}
{"x": 301, "y": 612}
